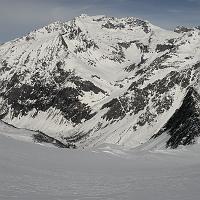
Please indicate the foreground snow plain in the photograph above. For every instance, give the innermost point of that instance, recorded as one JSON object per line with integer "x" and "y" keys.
{"x": 31, "y": 171}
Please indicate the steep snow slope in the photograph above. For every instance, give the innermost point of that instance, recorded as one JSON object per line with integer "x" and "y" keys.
{"x": 29, "y": 171}
{"x": 97, "y": 79}
{"x": 30, "y": 136}
{"x": 184, "y": 125}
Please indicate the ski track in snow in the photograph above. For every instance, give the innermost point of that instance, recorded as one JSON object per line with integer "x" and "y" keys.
{"x": 31, "y": 171}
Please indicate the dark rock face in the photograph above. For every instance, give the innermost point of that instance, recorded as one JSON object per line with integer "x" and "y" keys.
{"x": 42, "y": 95}
{"x": 87, "y": 44}
{"x": 143, "y": 24}
{"x": 74, "y": 31}
{"x": 110, "y": 25}
{"x": 182, "y": 29}
{"x": 143, "y": 48}
{"x": 157, "y": 92}
{"x": 130, "y": 22}
{"x": 184, "y": 125}
{"x": 116, "y": 110}
{"x": 43, "y": 138}
{"x": 130, "y": 67}
{"x": 164, "y": 47}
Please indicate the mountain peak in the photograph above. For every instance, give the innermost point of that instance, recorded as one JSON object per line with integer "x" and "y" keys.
{"x": 83, "y": 15}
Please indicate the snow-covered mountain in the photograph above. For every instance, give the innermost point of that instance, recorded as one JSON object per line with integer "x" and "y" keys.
{"x": 100, "y": 79}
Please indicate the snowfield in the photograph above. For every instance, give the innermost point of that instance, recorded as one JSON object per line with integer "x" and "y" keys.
{"x": 36, "y": 172}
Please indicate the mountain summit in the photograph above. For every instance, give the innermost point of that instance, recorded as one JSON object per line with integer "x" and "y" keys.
{"x": 99, "y": 79}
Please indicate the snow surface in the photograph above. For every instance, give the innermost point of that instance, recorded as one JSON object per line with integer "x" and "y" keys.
{"x": 33, "y": 172}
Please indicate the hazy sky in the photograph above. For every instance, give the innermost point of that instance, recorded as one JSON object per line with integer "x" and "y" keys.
{"x": 18, "y": 17}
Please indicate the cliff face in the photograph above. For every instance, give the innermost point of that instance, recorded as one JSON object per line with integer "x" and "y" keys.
{"x": 99, "y": 79}
{"x": 184, "y": 125}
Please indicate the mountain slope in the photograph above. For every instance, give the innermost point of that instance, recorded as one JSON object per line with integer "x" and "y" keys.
{"x": 31, "y": 136}
{"x": 184, "y": 126}
{"x": 97, "y": 79}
